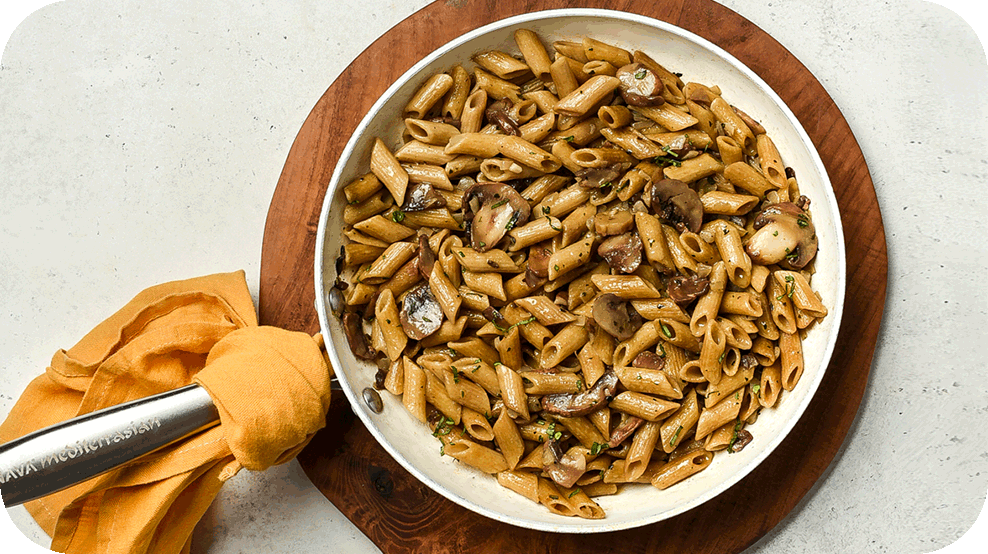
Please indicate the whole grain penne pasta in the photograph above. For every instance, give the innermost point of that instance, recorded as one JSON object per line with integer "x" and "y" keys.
{"x": 388, "y": 170}
{"x": 535, "y": 231}
{"x": 708, "y": 305}
{"x": 727, "y": 386}
{"x": 386, "y": 315}
{"x": 711, "y": 418}
{"x": 641, "y": 405}
{"x": 477, "y": 426}
{"x": 600, "y": 157}
{"x": 730, "y": 151}
{"x": 509, "y": 348}
{"x": 430, "y": 132}
{"x": 546, "y": 311}
{"x": 591, "y": 364}
{"x": 534, "y": 53}
{"x": 660, "y": 308}
{"x": 551, "y": 383}
{"x": 362, "y": 188}
{"x": 770, "y": 161}
{"x": 394, "y": 382}
{"x": 596, "y": 50}
{"x": 414, "y": 389}
{"x": 697, "y": 248}
{"x": 770, "y": 385}
{"x": 681, "y": 468}
{"x": 567, "y": 341}
{"x": 472, "y": 116}
{"x": 435, "y": 394}
{"x": 712, "y": 352}
{"x": 563, "y": 77}
{"x": 734, "y": 126}
{"x": 457, "y": 96}
{"x": 524, "y": 483}
{"x": 649, "y": 381}
{"x": 427, "y": 95}
{"x": 512, "y": 390}
{"x": 726, "y": 203}
{"x": 496, "y": 87}
{"x": 544, "y": 186}
{"x": 736, "y": 260}
{"x": 694, "y": 169}
{"x": 745, "y": 177}
{"x": 668, "y": 117}
{"x": 615, "y": 116}
{"x": 629, "y": 287}
{"x": 416, "y": 151}
{"x": 780, "y": 306}
{"x": 538, "y": 128}
{"x": 640, "y": 453}
{"x": 676, "y": 428}
{"x": 483, "y": 458}
{"x": 501, "y": 64}
{"x": 795, "y": 286}
{"x": 571, "y": 257}
{"x": 586, "y": 98}
{"x": 791, "y": 358}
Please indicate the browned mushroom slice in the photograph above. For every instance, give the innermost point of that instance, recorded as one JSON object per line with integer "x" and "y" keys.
{"x": 422, "y": 196}
{"x": 598, "y": 177}
{"x": 676, "y": 202}
{"x": 616, "y": 316}
{"x": 640, "y": 86}
{"x": 648, "y": 360}
{"x": 567, "y": 469}
{"x": 684, "y": 290}
{"x": 784, "y": 235}
{"x": 582, "y": 403}
{"x": 624, "y": 430}
{"x": 427, "y": 258}
{"x": 500, "y": 322}
{"x": 623, "y": 253}
{"x": 497, "y": 113}
{"x": 538, "y": 264}
{"x": 497, "y": 208}
{"x": 420, "y": 314}
{"x": 354, "y": 331}
{"x": 616, "y": 223}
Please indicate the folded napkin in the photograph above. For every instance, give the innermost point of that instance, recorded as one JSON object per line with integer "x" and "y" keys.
{"x": 271, "y": 386}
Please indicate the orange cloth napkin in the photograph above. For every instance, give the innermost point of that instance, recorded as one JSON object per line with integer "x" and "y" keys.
{"x": 271, "y": 386}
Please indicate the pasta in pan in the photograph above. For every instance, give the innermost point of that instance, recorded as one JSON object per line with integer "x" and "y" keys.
{"x": 579, "y": 270}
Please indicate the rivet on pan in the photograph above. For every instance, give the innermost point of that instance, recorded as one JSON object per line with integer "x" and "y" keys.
{"x": 373, "y": 400}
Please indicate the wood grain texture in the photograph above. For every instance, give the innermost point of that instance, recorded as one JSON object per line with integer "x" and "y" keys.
{"x": 399, "y": 513}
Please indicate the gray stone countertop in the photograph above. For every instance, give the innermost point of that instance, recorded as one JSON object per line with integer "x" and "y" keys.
{"x": 141, "y": 142}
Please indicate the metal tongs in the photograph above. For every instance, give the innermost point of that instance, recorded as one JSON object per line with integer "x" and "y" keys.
{"x": 65, "y": 454}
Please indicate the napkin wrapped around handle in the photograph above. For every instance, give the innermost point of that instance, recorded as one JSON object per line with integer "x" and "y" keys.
{"x": 271, "y": 388}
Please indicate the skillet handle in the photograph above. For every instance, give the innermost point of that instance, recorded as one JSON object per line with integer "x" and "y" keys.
{"x": 68, "y": 453}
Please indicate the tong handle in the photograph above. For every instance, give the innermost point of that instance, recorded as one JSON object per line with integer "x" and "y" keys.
{"x": 68, "y": 453}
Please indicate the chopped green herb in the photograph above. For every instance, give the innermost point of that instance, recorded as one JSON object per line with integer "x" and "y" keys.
{"x": 555, "y": 267}
{"x": 675, "y": 436}
{"x": 553, "y": 227}
{"x": 456, "y": 376}
{"x": 569, "y": 138}
{"x": 734, "y": 436}
{"x": 462, "y": 255}
{"x": 662, "y": 350}
{"x": 641, "y": 74}
{"x": 545, "y": 210}
{"x": 756, "y": 389}
{"x": 498, "y": 204}
{"x": 554, "y": 497}
{"x": 720, "y": 360}
{"x": 666, "y": 331}
{"x": 596, "y": 448}
{"x": 575, "y": 491}
{"x": 397, "y": 216}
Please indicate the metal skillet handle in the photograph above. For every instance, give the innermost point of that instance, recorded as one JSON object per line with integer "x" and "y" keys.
{"x": 57, "y": 457}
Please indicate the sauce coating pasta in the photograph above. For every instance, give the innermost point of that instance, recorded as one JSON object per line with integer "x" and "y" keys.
{"x": 580, "y": 270}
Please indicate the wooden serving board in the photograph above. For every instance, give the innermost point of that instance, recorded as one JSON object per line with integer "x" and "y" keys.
{"x": 399, "y": 513}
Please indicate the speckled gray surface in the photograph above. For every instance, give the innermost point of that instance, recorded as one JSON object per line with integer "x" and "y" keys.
{"x": 141, "y": 142}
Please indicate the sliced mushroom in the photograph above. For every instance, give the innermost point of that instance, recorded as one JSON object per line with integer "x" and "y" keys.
{"x": 616, "y": 223}
{"x": 497, "y": 113}
{"x": 640, "y": 86}
{"x": 684, "y": 290}
{"x": 599, "y": 177}
{"x": 421, "y": 315}
{"x": 427, "y": 258}
{"x": 616, "y": 316}
{"x": 422, "y": 196}
{"x": 624, "y": 430}
{"x": 623, "y": 253}
{"x": 784, "y": 235}
{"x": 648, "y": 360}
{"x": 582, "y": 403}
{"x": 497, "y": 208}
{"x": 674, "y": 201}
{"x": 354, "y": 330}
{"x": 568, "y": 469}
{"x": 538, "y": 264}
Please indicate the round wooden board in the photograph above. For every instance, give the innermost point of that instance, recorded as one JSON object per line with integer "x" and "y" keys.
{"x": 401, "y": 514}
